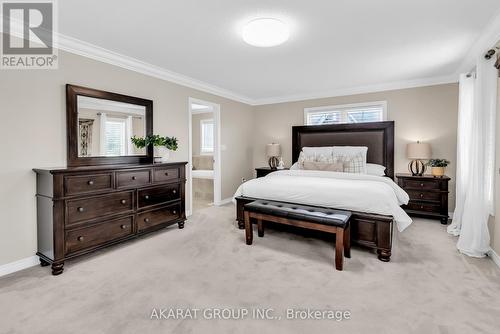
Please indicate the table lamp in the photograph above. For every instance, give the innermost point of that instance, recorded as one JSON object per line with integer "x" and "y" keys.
{"x": 273, "y": 151}
{"x": 417, "y": 152}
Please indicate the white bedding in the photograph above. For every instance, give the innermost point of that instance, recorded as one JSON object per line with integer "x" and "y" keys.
{"x": 347, "y": 191}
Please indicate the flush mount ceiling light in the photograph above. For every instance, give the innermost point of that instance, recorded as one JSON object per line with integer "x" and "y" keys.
{"x": 265, "y": 32}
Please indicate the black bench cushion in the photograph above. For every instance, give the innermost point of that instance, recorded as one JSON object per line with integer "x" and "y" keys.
{"x": 330, "y": 217}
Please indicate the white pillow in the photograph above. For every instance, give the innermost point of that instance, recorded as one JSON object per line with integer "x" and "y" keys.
{"x": 295, "y": 166}
{"x": 374, "y": 169}
{"x": 317, "y": 151}
{"x": 349, "y": 152}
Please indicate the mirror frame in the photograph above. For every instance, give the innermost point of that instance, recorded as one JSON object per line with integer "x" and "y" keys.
{"x": 72, "y": 92}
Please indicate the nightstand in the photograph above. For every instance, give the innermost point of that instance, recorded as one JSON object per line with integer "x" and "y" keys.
{"x": 263, "y": 171}
{"x": 428, "y": 195}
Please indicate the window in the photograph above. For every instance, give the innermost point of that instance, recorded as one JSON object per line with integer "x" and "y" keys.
{"x": 348, "y": 113}
{"x": 115, "y": 138}
{"x": 207, "y": 136}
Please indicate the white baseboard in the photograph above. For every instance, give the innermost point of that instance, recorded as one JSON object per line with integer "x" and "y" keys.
{"x": 494, "y": 256}
{"x": 224, "y": 201}
{"x": 18, "y": 265}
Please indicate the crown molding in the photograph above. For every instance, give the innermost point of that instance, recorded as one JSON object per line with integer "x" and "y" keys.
{"x": 88, "y": 50}
{"x": 362, "y": 89}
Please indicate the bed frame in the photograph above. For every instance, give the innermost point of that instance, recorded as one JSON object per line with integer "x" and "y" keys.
{"x": 368, "y": 230}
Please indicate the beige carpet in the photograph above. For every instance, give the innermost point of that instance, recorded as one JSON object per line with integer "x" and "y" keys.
{"x": 427, "y": 288}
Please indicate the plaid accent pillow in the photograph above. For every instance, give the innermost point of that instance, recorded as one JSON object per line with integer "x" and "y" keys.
{"x": 354, "y": 164}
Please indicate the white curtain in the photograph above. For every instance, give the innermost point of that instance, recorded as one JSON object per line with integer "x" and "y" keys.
{"x": 128, "y": 135}
{"x": 103, "y": 119}
{"x": 475, "y": 159}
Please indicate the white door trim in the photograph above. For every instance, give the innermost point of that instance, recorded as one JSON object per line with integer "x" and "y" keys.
{"x": 217, "y": 152}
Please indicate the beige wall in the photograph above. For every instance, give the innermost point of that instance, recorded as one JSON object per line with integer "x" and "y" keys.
{"x": 428, "y": 114}
{"x": 33, "y": 134}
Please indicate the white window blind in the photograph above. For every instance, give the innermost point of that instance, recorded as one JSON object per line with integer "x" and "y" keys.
{"x": 115, "y": 138}
{"x": 207, "y": 135}
{"x": 352, "y": 113}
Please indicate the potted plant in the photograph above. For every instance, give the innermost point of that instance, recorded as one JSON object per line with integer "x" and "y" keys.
{"x": 438, "y": 166}
{"x": 162, "y": 145}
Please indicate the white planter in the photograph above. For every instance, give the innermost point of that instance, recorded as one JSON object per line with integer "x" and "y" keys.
{"x": 162, "y": 154}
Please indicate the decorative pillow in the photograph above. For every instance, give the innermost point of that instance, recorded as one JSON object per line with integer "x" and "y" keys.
{"x": 354, "y": 164}
{"x": 350, "y": 152}
{"x": 325, "y": 166}
{"x": 374, "y": 169}
{"x": 303, "y": 157}
{"x": 295, "y": 166}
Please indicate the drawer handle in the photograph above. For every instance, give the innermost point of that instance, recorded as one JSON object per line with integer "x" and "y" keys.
{"x": 421, "y": 195}
{"x": 123, "y": 201}
{"x": 421, "y": 184}
{"x": 174, "y": 212}
{"x": 166, "y": 173}
{"x": 134, "y": 177}
{"x": 146, "y": 197}
{"x": 80, "y": 209}
{"x": 80, "y": 238}
{"x": 421, "y": 207}
{"x": 123, "y": 227}
{"x": 146, "y": 220}
{"x": 174, "y": 191}
{"x": 90, "y": 183}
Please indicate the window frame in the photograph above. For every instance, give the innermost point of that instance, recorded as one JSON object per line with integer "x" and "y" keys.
{"x": 123, "y": 139}
{"x": 202, "y": 123}
{"x": 339, "y": 107}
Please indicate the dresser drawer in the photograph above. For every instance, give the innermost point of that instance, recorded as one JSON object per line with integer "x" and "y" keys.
{"x": 421, "y": 184}
{"x": 135, "y": 178}
{"x": 427, "y": 207}
{"x": 156, "y": 217}
{"x": 165, "y": 174}
{"x": 95, "y": 235}
{"x": 424, "y": 195}
{"x": 94, "y": 207}
{"x": 158, "y": 195}
{"x": 78, "y": 184}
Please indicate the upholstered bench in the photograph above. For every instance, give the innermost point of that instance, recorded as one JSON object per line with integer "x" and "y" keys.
{"x": 304, "y": 216}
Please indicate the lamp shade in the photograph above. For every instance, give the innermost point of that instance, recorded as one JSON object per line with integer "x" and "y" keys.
{"x": 273, "y": 150}
{"x": 418, "y": 150}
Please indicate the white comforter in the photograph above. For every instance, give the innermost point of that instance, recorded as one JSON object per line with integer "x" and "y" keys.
{"x": 354, "y": 192}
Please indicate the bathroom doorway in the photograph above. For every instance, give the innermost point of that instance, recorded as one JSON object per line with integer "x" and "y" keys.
{"x": 204, "y": 155}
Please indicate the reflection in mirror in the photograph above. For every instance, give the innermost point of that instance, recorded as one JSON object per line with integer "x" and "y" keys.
{"x": 105, "y": 127}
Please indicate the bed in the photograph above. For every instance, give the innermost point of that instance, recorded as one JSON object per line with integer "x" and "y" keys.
{"x": 374, "y": 210}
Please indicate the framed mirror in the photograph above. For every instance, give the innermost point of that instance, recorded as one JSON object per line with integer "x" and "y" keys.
{"x": 100, "y": 126}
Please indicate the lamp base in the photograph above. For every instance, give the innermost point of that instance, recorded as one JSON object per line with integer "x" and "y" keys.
{"x": 273, "y": 162}
{"x": 416, "y": 167}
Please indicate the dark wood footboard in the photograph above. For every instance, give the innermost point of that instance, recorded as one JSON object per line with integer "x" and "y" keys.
{"x": 368, "y": 230}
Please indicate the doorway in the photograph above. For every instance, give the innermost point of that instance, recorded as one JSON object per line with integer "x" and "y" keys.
{"x": 203, "y": 177}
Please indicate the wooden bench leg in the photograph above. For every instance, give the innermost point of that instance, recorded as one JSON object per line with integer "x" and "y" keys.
{"x": 260, "y": 228}
{"x": 248, "y": 229}
{"x": 347, "y": 241}
{"x": 339, "y": 249}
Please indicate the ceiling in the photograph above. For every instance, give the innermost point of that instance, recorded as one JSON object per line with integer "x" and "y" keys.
{"x": 334, "y": 46}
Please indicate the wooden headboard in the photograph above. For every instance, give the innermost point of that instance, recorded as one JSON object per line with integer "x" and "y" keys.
{"x": 377, "y": 136}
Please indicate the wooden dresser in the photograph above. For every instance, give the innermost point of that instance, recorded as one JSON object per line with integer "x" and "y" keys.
{"x": 428, "y": 195}
{"x": 82, "y": 209}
